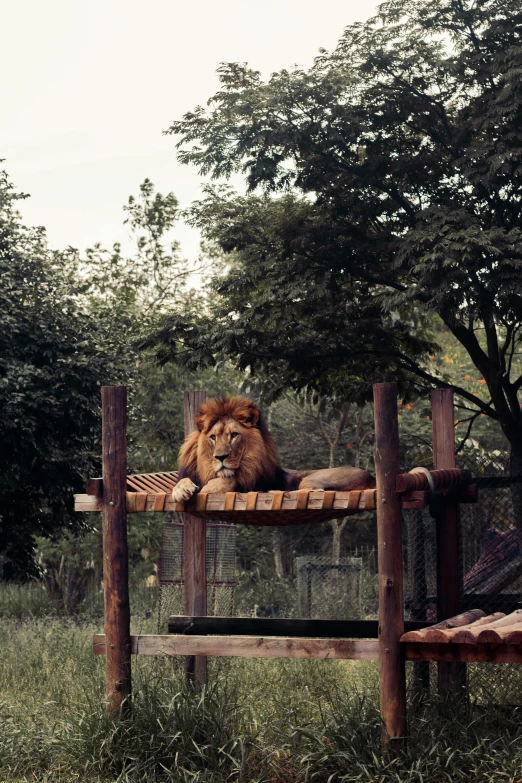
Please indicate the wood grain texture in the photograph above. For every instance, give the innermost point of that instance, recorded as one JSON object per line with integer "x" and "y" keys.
{"x": 195, "y": 550}
{"x": 446, "y": 635}
{"x": 249, "y": 647}
{"x": 343, "y": 649}
{"x": 115, "y": 552}
{"x": 465, "y": 618}
{"x": 444, "y": 479}
{"x": 390, "y": 566}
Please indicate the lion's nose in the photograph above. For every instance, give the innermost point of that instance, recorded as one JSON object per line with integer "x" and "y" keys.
{"x": 222, "y": 457}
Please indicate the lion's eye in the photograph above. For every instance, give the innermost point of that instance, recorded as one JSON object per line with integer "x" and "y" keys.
{"x": 212, "y": 437}
{"x": 233, "y": 435}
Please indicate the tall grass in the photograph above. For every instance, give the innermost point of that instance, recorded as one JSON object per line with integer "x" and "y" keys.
{"x": 271, "y": 721}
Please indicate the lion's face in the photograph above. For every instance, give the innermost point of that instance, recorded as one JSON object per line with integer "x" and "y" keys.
{"x": 231, "y": 442}
{"x": 226, "y": 441}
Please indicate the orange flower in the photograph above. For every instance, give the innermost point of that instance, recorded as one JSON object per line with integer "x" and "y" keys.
{"x": 348, "y": 445}
{"x": 399, "y": 403}
{"x": 481, "y": 383}
{"x": 410, "y": 406}
{"x": 431, "y": 357}
{"x": 467, "y": 377}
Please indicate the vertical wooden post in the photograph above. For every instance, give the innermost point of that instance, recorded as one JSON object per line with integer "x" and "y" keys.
{"x": 115, "y": 553}
{"x": 451, "y": 676}
{"x": 195, "y": 554}
{"x": 390, "y": 565}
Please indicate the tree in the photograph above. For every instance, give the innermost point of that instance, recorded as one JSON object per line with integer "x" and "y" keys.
{"x": 52, "y": 363}
{"x": 400, "y": 154}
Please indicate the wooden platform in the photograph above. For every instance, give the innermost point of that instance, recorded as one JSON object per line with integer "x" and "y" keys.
{"x": 472, "y": 628}
{"x": 254, "y": 508}
{"x": 153, "y": 492}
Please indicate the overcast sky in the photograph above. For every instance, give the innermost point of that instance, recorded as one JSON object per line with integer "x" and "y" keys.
{"x": 88, "y": 88}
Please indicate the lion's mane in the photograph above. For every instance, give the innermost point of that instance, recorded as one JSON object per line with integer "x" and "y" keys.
{"x": 259, "y": 468}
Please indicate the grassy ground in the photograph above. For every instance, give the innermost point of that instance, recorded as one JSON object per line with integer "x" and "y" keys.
{"x": 273, "y": 721}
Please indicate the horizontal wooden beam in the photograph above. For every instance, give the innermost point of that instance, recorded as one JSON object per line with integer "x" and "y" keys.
{"x": 248, "y": 647}
{"x": 335, "y": 649}
{"x": 280, "y": 626}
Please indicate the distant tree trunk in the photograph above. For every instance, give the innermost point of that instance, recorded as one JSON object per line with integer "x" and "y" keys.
{"x": 337, "y": 526}
{"x": 278, "y": 553}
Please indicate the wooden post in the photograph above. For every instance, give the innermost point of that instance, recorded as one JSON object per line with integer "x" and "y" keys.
{"x": 451, "y": 676}
{"x": 194, "y": 553}
{"x": 390, "y": 566}
{"x": 115, "y": 553}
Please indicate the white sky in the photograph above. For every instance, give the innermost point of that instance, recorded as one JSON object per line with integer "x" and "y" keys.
{"x": 88, "y": 88}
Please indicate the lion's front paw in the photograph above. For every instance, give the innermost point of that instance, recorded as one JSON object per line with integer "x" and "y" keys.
{"x": 184, "y": 490}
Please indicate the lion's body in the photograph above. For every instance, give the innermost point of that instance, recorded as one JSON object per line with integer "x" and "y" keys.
{"x": 232, "y": 451}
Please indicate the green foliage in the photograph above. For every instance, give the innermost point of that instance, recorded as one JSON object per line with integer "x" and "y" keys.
{"x": 388, "y": 199}
{"x": 51, "y": 370}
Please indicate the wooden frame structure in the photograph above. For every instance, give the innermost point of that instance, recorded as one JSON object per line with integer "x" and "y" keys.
{"x": 115, "y": 495}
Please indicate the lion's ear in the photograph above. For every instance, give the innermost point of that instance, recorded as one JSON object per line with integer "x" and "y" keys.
{"x": 251, "y": 416}
{"x": 200, "y": 421}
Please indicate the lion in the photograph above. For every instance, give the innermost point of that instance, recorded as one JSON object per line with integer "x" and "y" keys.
{"x": 232, "y": 451}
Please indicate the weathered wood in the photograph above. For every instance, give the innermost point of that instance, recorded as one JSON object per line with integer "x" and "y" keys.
{"x": 390, "y": 566}
{"x": 509, "y": 634}
{"x": 235, "y": 505}
{"x": 339, "y": 504}
{"x": 464, "y": 653}
{"x": 194, "y": 550}
{"x": 444, "y": 479}
{"x": 450, "y": 677}
{"x": 115, "y": 553}
{"x": 444, "y": 636}
{"x": 343, "y": 649}
{"x": 95, "y": 487}
{"x": 471, "y": 635}
{"x": 465, "y": 618}
{"x": 280, "y": 626}
{"x": 249, "y": 647}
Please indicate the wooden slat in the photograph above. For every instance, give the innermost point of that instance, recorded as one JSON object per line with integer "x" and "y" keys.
{"x": 159, "y": 501}
{"x": 230, "y": 498}
{"x": 251, "y": 501}
{"x": 138, "y": 485}
{"x": 446, "y": 635}
{"x": 201, "y": 501}
{"x": 452, "y": 622}
{"x": 471, "y": 635}
{"x": 277, "y": 500}
{"x": 510, "y": 634}
{"x": 249, "y": 647}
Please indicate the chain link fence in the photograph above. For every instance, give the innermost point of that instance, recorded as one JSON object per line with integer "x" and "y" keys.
{"x": 315, "y": 571}
{"x": 221, "y": 571}
{"x": 490, "y": 564}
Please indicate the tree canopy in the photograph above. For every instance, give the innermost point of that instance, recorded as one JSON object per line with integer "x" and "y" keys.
{"x": 384, "y": 189}
{"x": 51, "y": 369}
